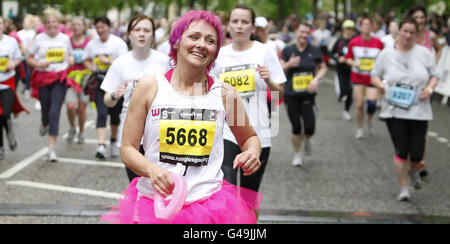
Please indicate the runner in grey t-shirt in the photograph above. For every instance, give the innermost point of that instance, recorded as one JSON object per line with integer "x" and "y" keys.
{"x": 409, "y": 77}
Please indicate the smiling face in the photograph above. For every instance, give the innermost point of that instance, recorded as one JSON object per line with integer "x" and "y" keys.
{"x": 141, "y": 35}
{"x": 52, "y": 25}
{"x": 302, "y": 33}
{"x": 198, "y": 45}
{"x": 241, "y": 25}
{"x": 102, "y": 30}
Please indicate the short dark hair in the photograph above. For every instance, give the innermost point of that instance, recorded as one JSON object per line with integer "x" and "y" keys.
{"x": 246, "y": 7}
{"x": 416, "y": 8}
{"x": 409, "y": 20}
{"x": 140, "y": 17}
{"x": 102, "y": 19}
{"x": 364, "y": 17}
{"x": 305, "y": 23}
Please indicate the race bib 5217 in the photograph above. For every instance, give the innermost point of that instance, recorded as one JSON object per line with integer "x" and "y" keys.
{"x": 56, "y": 55}
{"x": 242, "y": 77}
{"x": 187, "y": 135}
{"x": 3, "y": 63}
{"x": 402, "y": 95}
{"x": 301, "y": 81}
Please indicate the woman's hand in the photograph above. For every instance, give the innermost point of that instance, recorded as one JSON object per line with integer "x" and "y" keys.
{"x": 161, "y": 180}
{"x": 43, "y": 65}
{"x": 264, "y": 72}
{"x": 425, "y": 94}
{"x": 248, "y": 161}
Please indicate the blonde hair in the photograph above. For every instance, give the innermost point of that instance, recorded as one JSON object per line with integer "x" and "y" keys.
{"x": 51, "y": 12}
{"x": 28, "y": 22}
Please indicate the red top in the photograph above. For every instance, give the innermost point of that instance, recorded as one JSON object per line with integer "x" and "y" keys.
{"x": 365, "y": 52}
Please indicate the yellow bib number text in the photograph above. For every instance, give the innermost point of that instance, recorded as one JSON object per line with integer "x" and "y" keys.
{"x": 366, "y": 64}
{"x": 301, "y": 82}
{"x": 242, "y": 80}
{"x": 3, "y": 63}
{"x": 186, "y": 141}
{"x": 55, "y": 55}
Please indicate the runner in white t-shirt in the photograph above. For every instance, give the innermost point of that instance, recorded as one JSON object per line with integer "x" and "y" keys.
{"x": 98, "y": 57}
{"x": 10, "y": 57}
{"x": 128, "y": 69}
{"x": 251, "y": 67}
{"x": 50, "y": 55}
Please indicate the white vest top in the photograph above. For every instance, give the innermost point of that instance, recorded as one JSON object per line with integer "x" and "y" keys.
{"x": 184, "y": 134}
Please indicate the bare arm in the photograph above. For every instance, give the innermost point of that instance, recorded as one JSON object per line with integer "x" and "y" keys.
{"x": 246, "y": 137}
{"x": 133, "y": 131}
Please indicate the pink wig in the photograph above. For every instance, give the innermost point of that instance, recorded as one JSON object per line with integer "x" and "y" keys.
{"x": 183, "y": 24}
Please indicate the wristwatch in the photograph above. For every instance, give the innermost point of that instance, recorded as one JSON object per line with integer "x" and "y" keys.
{"x": 112, "y": 96}
{"x": 429, "y": 90}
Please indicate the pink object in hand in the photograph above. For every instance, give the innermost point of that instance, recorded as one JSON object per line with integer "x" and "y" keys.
{"x": 179, "y": 193}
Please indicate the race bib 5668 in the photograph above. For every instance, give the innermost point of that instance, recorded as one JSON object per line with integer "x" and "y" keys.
{"x": 186, "y": 135}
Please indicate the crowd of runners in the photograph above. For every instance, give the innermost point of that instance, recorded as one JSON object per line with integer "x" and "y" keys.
{"x": 194, "y": 95}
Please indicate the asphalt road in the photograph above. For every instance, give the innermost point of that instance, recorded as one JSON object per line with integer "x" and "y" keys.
{"x": 344, "y": 181}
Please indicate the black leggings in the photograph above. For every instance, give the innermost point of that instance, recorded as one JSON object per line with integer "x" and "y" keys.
{"x": 7, "y": 100}
{"x": 52, "y": 98}
{"x": 345, "y": 85}
{"x": 301, "y": 108}
{"x": 252, "y": 181}
{"x": 103, "y": 111}
{"x": 408, "y": 137}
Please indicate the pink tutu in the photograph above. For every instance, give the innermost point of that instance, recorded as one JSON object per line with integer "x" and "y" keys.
{"x": 230, "y": 205}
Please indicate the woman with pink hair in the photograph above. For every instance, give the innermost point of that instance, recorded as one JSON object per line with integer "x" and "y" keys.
{"x": 180, "y": 116}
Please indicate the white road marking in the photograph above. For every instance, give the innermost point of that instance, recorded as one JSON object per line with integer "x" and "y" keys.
{"x": 24, "y": 163}
{"x": 68, "y": 189}
{"x": 442, "y": 140}
{"x": 88, "y": 124}
{"x": 432, "y": 134}
{"x": 91, "y": 162}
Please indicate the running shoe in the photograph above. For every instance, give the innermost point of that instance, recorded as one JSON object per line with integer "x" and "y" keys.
{"x": 423, "y": 172}
{"x": 10, "y": 136}
{"x": 52, "y": 158}
{"x": 37, "y": 106}
{"x": 100, "y": 153}
{"x": 346, "y": 115}
{"x": 416, "y": 182}
{"x": 71, "y": 135}
{"x": 404, "y": 195}
{"x": 298, "y": 159}
{"x": 115, "y": 150}
{"x": 359, "y": 133}
{"x": 307, "y": 147}
{"x": 80, "y": 139}
{"x": 43, "y": 130}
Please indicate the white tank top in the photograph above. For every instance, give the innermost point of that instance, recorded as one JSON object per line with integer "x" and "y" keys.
{"x": 184, "y": 134}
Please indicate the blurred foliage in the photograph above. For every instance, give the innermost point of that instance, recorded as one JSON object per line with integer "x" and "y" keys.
{"x": 276, "y": 9}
